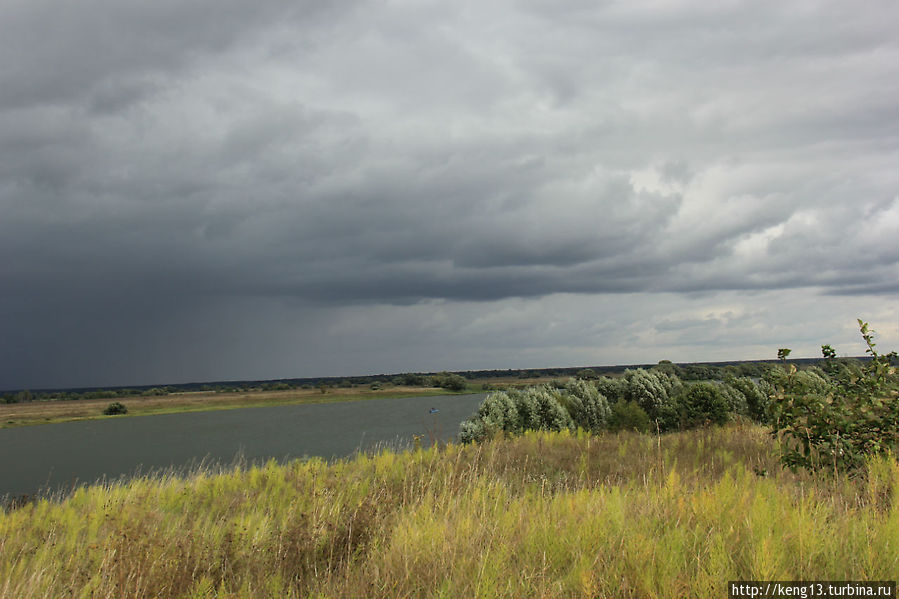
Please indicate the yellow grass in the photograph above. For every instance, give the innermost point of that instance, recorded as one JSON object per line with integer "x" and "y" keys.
{"x": 544, "y": 515}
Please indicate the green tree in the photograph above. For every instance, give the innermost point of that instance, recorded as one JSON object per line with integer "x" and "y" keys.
{"x": 629, "y": 416}
{"x": 613, "y": 389}
{"x": 453, "y": 382}
{"x": 668, "y": 367}
{"x": 755, "y": 398}
{"x": 782, "y": 354}
{"x": 702, "y": 403}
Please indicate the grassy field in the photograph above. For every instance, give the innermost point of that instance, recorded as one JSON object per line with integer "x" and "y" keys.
{"x": 544, "y": 515}
{"x": 45, "y": 412}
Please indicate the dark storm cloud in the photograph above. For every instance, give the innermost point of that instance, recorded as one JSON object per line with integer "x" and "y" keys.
{"x": 111, "y": 53}
{"x": 163, "y": 164}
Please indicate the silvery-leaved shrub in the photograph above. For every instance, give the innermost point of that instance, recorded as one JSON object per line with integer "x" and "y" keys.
{"x": 515, "y": 411}
{"x": 754, "y": 396}
{"x": 809, "y": 380}
{"x": 551, "y": 414}
{"x": 655, "y": 392}
{"x": 736, "y": 401}
{"x": 497, "y": 413}
{"x": 589, "y": 409}
{"x": 613, "y": 389}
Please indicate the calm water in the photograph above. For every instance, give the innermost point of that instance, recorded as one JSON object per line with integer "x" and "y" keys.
{"x": 33, "y": 458}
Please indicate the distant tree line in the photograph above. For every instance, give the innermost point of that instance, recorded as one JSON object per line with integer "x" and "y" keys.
{"x": 454, "y": 381}
{"x": 27, "y": 396}
{"x": 444, "y": 380}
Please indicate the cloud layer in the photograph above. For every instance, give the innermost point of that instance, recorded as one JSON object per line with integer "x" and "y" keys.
{"x": 222, "y": 174}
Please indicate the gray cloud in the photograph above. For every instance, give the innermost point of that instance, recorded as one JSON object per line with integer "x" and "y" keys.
{"x": 163, "y": 165}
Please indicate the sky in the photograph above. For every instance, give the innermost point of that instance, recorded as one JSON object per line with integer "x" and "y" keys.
{"x": 231, "y": 190}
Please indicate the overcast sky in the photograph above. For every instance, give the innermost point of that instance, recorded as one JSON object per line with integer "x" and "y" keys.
{"x": 223, "y": 189}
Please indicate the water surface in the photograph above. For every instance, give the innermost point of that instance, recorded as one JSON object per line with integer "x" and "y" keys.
{"x": 52, "y": 456}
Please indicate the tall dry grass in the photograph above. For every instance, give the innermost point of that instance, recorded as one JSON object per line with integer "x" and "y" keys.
{"x": 544, "y": 515}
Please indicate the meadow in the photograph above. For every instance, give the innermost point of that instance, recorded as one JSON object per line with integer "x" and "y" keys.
{"x": 545, "y": 514}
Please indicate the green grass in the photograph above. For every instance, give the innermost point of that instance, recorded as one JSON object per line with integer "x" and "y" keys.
{"x": 544, "y": 515}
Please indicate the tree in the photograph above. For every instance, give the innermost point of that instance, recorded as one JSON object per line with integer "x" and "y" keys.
{"x": 668, "y": 367}
{"x": 453, "y": 382}
{"x": 589, "y": 409}
{"x": 702, "y": 403}
{"x": 756, "y": 400}
{"x": 654, "y": 391}
{"x": 628, "y": 416}
{"x": 782, "y": 354}
{"x": 613, "y": 389}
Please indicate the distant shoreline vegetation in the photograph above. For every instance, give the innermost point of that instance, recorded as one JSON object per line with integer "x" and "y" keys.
{"x": 685, "y": 371}
{"x": 441, "y": 380}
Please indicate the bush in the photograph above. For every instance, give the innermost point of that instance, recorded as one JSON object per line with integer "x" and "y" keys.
{"x": 702, "y": 403}
{"x": 799, "y": 381}
{"x": 499, "y": 412}
{"x": 589, "y": 409}
{"x": 513, "y": 412}
{"x": 840, "y": 424}
{"x": 668, "y": 367}
{"x": 115, "y": 408}
{"x": 736, "y": 401}
{"x": 613, "y": 389}
{"x": 629, "y": 416}
{"x": 449, "y": 381}
{"x": 541, "y": 409}
{"x": 411, "y": 379}
{"x": 755, "y": 398}
{"x": 698, "y": 372}
{"x": 454, "y": 382}
{"x": 586, "y": 373}
{"x": 654, "y": 391}
{"x": 842, "y": 368}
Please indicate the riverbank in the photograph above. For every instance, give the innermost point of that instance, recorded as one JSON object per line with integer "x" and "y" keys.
{"x": 48, "y": 412}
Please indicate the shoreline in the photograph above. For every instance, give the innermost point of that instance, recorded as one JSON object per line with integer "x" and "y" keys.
{"x": 54, "y": 412}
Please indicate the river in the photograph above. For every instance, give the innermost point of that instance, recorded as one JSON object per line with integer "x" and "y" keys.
{"x": 60, "y": 456}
